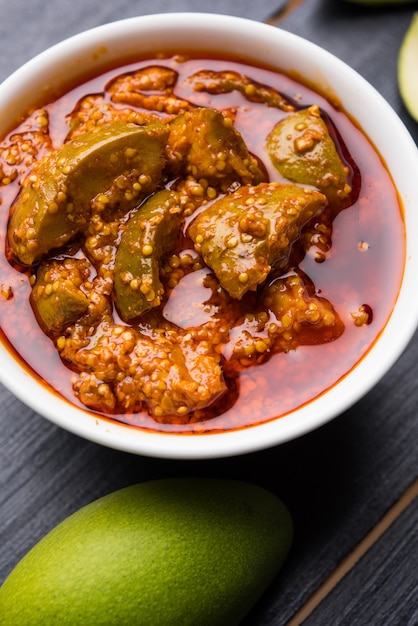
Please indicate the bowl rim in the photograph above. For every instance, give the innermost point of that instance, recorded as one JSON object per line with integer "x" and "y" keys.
{"x": 351, "y": 387}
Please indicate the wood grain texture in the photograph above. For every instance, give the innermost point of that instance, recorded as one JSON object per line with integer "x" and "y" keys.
{"x": 352, "y": 560}
{"x": 27, "y": 28}
{"x": 338, "y": 481}
{"x": 382, "y": 588}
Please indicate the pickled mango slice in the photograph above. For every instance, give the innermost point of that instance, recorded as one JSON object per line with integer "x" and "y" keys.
{"x": 291, "y": 315}
{"x": 227, "y": 81}
{"x": 204, "y": 144}
{"x": 118, "y": 162}
{"x": 57, "y": 297}
{"x": 242, "y": 235}
{"x": 26, "y": 144}
{"x": 93, "y": 110}
{"x": 303, "y": 151}
{"x": 150, "y": 232}
{"x": 173, "y": 374}
{"x": 303, "y": 317}
{"x": 150, "y": 88}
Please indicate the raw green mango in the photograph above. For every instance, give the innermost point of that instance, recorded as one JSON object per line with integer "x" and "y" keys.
{"x": 180, "y": 552}
{"x": 407, "y": 68}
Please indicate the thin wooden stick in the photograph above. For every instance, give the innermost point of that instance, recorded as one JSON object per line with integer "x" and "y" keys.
{"x": 351, "y": 559}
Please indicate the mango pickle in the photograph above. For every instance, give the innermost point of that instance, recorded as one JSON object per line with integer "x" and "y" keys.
{"x": 150, "y": 232}
{"x": 288, "y": 310}
{"x": 57, "y": 297}
{"x": 164, "y": 262}
{"x": 23, "y": 148}
{"x": 118, "y": 162}
{"x": 303, "y": 151}
{"x": 226, "y": 81}
{"x": 150, "y": 88}
{"x": 93, "y": 110}
{"x": 204, "y": 144}
{"x": 241, "y": 236}
{"x": 296, "y": 309}
{"x": 172, "y": 373}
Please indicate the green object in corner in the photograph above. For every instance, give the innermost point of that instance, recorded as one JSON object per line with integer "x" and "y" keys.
{"x": 174, "y": 552}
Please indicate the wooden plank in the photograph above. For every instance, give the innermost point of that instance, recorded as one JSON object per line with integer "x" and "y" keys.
{"x": 383, "y": 587}
{"x": 407, "y": 502}
{"x": 28, "y": 28}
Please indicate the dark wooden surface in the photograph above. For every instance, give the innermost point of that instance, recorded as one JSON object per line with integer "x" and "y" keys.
{"x": 340, "y": 481}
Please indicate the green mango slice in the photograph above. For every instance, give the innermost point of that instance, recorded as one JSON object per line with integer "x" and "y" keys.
{"x": 204, "y": 144}
{"x": 56, "y": 297}
{"x": 242, "y": 235}
{"x": 150, "y": 232}
{"x": 111, "y": 166}
{"x": 302, "y": 150}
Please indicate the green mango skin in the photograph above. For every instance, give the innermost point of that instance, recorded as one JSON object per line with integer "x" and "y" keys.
{"x": 65, "y": 302}
{"x": 262, "y": 222}
{"x": 155, "y": 223}
{"x": 171, "y": 552}
{"x": 55, "y": 201}
{"x": 302, "y": 150}
{"x": 205, "y": 144}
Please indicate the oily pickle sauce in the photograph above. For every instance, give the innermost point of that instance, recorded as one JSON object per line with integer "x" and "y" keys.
{"x": 363, "y": 267}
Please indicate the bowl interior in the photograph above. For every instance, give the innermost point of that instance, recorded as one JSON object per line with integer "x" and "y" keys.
{"x": 113, "y": 44}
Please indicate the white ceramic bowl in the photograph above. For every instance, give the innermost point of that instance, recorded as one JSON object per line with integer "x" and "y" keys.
{"x": 90, "y": 51}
